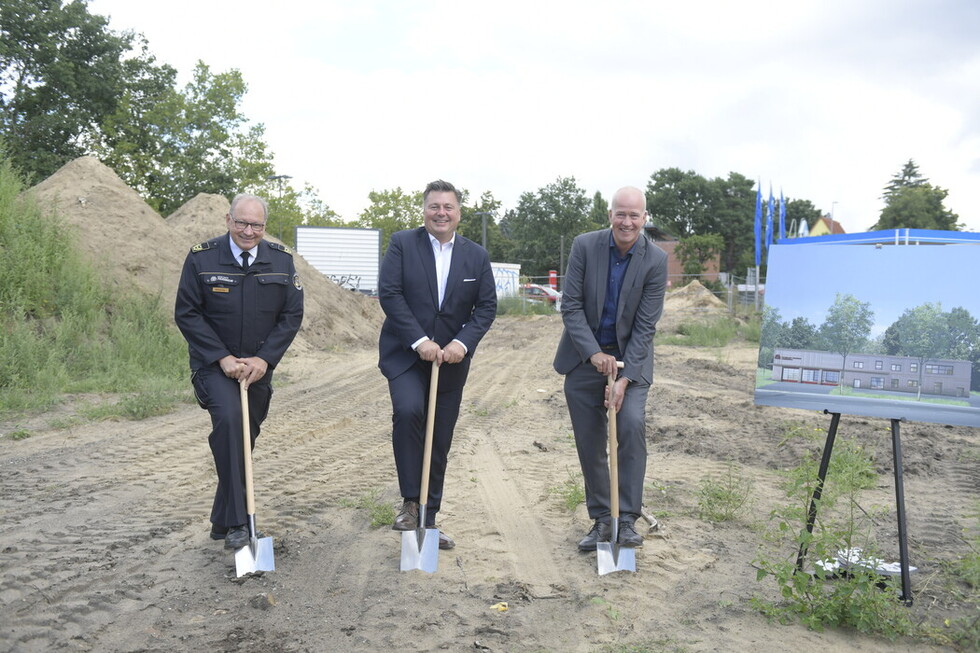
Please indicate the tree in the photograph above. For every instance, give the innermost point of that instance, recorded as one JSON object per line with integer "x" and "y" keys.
{"x": 964, "y": 340}
{"x": 679, "y": 202}
{"x": 917, "y": 207}
{"x": 695, "y": 252}
{"x": 60, "y": 74}
{"x": 847, "y": 327}
{"x": 289, "y": 208}
{"x": 771, "y": 335}
{"x": 923, "y": 333}
{"x": 471, "y": 225}
{"x": 391, "y": 211}
{"x": 911, "y": 202}
{"x": 734, "y": 215}
{"x": 599, "y": 215}
{"x": 208, "y": 145}
{"x": 544, "y": 220}
{"x": 801, "y": 334}
{"x": 908, "y": 177}
{"x": 686, "y": 204}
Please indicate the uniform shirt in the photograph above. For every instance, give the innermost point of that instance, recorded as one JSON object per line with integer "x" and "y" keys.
{"x": 222, "y": 310}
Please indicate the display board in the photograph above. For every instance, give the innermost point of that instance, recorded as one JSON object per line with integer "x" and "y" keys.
{"x": 876, "y": 330}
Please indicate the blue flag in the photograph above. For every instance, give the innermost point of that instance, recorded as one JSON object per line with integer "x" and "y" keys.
{"x": 769, "y": 220}
{"x": 758, "y": 225}
{"x": 782, "y": 215}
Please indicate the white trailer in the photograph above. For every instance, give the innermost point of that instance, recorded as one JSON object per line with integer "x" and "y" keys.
{"x": 507, "y": 278}
{"x": 348, "y": 256}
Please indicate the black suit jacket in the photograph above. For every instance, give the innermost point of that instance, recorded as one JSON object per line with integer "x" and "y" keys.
{"x": 410, "y": 300}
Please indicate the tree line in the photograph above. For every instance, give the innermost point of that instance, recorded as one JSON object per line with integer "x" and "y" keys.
{"x": 925, "y": 333}
{"x": 70, "y": 86}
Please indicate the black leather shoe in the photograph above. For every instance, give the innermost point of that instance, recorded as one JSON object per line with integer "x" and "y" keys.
{"x": 408, "y": 517}
{"x": 237, "y": 536}
{"x": 628, "y": 537}
{"x": 445, "y": 542}
{"x": 218, "y": 532}
{"x": 601, "y": 532}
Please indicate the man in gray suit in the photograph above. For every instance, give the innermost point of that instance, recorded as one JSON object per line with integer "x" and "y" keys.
{"x": 612, "y": 298}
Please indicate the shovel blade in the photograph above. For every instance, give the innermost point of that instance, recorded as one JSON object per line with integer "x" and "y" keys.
{"x": 256, "y": 556}
{"x": 612, "y": 557}
{"x": 420, "y": 550}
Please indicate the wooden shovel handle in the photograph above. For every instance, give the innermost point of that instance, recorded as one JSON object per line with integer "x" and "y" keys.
{"x": 247, "y": 450}
{"x": 430, "y": 423}
{"x": 613, "y": 450}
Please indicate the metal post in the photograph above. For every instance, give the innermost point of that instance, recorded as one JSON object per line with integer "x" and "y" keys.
{"x": 811, "y": 515}
{"x": 903, "y": 547}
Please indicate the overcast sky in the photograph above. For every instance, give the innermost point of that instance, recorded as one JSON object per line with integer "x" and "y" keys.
{"x": 824, "y": 100}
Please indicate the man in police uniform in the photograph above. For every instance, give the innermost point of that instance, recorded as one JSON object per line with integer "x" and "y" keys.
{"x": 239, "y": 305}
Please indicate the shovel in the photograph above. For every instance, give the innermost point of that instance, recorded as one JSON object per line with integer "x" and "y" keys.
{"x": 257, "y": 554}
{"x": 420, "y": 548}
{"x": 609, "y": 555}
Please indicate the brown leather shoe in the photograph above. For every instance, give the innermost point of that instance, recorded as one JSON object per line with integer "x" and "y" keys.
{"x": 408, "y": 517}
{"x": 445, "y": 542}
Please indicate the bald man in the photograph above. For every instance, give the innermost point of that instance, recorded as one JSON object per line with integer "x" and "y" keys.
{"x": 612, "y": 298}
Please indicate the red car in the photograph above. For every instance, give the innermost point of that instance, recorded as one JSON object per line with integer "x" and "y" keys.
{"x": 544, "y": 294}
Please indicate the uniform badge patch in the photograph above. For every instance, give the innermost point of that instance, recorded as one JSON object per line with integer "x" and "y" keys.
{"x": 296, "y": 282}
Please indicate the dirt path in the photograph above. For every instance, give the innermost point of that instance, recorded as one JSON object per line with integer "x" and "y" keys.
{"x": 104, "y": 543}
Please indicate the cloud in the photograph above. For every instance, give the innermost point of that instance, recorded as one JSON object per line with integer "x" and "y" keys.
{"x": 824, "y": 100}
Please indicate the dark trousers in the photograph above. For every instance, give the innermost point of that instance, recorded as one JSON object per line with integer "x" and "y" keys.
{"x": 585, "y": 394}
{"x": 222, "y": 399}
{"x": 409, "y": 401}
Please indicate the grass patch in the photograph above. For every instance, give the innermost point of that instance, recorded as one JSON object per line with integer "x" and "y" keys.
{"x": 571, "y": 492}
{"x": 724, "y": 498}
{"x": 718, "y": 332}
{"x": 380, "y": 512}
{"x": 19, "y": 434}
{"x": 138, "y": 406}
{"x": 62, "y": 329}
{"x": 521, "y": 306}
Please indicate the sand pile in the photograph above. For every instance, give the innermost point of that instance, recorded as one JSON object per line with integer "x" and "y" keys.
{"x": 134, "y": 247}
{"x": 693, "y": 296}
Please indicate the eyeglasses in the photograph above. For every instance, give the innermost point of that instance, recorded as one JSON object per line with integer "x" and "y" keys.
{"x": 241, "y": 225}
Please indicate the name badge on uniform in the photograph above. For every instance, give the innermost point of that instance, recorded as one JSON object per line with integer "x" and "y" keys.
{"x": 219, "y": 289}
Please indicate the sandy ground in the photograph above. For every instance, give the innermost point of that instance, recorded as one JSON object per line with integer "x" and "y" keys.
{"x": 104, "y": 526}
{"x": 105, "y": 536}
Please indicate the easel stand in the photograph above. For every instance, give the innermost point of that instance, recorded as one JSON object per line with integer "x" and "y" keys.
{"x": 903, "y": 549}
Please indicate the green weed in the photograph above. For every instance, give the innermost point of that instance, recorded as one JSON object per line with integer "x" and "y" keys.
{"x": 380, "y": 511}
{"x": 571, "y": 492}
{"x": 724, "y": 498}
{"x": 817, "y": 595}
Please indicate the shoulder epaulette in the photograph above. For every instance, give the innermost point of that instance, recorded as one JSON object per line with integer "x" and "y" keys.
{"x": 280, "y": 247}
{"x": 200, "y": 247}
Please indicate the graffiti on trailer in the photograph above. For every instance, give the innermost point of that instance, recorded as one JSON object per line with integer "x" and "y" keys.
{"x": 350, "y": 281}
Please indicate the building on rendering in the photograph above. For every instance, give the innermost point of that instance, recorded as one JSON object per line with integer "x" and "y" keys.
{"x": 950, "y": 378}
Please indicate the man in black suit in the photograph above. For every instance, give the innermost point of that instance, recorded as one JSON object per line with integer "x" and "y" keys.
{"x": 612, "y": 298}
{"x": 439, "y": 298}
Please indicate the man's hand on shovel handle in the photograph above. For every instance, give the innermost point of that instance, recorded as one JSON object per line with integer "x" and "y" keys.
{"x": 619, "y": 390}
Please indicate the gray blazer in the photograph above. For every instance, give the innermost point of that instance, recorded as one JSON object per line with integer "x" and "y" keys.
{"x": 641, "y": 303}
